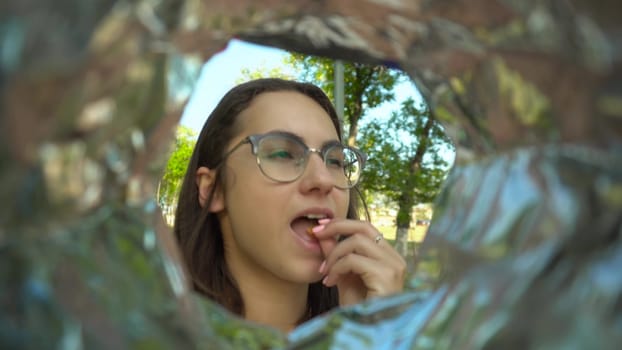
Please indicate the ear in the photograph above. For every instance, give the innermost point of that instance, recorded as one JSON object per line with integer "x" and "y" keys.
{"x": 205, "y": 179}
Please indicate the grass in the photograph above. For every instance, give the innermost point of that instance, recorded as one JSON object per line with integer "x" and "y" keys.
{"x": 415, "y": 234}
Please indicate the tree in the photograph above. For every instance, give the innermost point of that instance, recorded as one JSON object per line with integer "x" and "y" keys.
{"x": 262, "y": 72}
{"x": 168, "y": 189}
{"x": 405, "y": 163}
{"x": 365, "y": 86}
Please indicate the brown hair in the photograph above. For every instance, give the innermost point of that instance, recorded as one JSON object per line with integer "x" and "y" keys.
{"x": 198, "y": 230}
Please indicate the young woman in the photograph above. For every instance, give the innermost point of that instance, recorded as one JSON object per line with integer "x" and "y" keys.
{"x": 267, "y": 216}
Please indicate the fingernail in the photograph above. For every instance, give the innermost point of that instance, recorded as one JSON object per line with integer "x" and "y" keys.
{"x": 318, "y": 228}
{"x": 322, "y": 267}
{"x": 324, "y": 280}
{"x": 323, "y": 221}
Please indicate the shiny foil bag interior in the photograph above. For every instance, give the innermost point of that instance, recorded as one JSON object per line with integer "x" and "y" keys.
{"x": 525, "y": 244}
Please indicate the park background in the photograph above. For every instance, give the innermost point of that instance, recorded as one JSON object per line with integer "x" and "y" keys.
{"x": 240, "y": 61}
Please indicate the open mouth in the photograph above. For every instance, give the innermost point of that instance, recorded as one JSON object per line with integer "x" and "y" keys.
{"x": 303, "y": 225}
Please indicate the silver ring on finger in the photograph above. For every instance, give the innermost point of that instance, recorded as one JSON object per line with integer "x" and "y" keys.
{"x": 378, "y": 238}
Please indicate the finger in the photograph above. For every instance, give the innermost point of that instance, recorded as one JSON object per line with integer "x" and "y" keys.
{"x": 327, "y": 245}
{"x": 361, "y": 245}
{"x": 356, "y": 244}
{"x": 344, "y": 227}
{"x": 358, "y": 265}
{"x": 327, "y": 242}
{"x": 328, "y": 231}
{"x": 378, "y": 280}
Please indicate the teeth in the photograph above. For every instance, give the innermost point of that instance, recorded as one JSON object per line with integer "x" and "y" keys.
{"x": 315, "y": 216}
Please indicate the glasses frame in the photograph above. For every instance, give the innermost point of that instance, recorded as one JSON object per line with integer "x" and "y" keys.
{"x": 255, "y": 139}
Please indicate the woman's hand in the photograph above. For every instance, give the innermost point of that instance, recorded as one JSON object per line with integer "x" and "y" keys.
{"x": 363, "y": 265}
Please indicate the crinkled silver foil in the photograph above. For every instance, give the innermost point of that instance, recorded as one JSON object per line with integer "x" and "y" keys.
{"x": 524, "y": 250}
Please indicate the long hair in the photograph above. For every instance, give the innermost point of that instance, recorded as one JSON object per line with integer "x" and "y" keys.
{"x": 198, "y": 230}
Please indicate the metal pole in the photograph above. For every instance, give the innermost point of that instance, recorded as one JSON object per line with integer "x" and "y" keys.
{"x": 339, "y": 89}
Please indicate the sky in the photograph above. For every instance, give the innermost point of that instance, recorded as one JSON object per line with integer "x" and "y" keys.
{"x": 223, "y": 71}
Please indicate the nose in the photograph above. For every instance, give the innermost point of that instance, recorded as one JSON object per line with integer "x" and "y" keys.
{"x": 316, "y": 177}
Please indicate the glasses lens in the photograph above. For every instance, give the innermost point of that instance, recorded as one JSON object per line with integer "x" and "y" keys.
{"x": 281, "y": 158}
{"x": 345, "y": 165}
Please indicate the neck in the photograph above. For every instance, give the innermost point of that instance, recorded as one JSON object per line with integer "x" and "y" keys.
{"x": 269, "y": 300}
{"x": 279, "y": 309}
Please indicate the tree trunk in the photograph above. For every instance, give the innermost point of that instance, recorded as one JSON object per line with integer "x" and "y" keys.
{"x": 407, "y": 200}
{"x": 356, "y": 108}
{"x": 352, "y": 133}
{"x": 401, "y": 241}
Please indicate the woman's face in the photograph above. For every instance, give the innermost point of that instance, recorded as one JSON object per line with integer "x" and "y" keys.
{"x": 263, "y": 221}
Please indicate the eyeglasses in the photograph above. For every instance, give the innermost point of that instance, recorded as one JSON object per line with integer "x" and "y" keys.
{"x": 283, "y": 157}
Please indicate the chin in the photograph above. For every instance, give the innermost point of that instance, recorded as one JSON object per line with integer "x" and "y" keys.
{"x": 310, "y": 277}
{"x": 308, "y": 274}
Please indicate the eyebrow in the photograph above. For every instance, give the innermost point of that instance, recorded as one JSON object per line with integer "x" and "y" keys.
{"x": 301, "y": 139}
